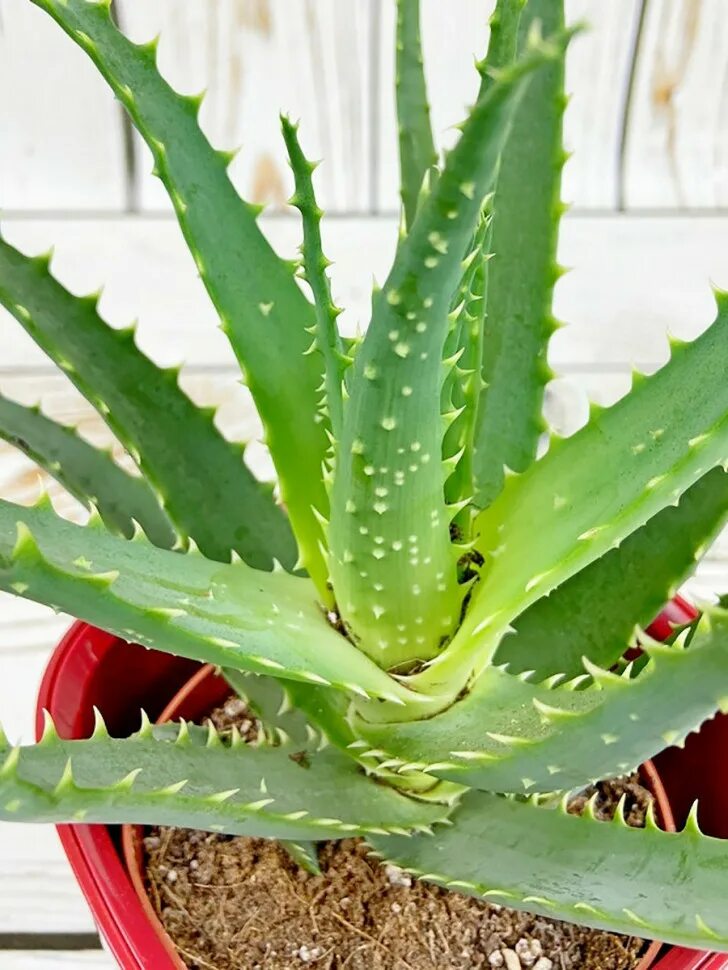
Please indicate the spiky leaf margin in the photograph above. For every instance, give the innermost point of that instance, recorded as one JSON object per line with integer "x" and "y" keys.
{"x": 89, "y": 474}
{"x": 594, "y": 613}
{"x": 226, "y": 614}
{"x": 509, "y": 735}
{"x": 642, "y": 882}
{"x": 201, "y": 478}
{"x": 564, "y": 512}
{"x": 186, "y": 776}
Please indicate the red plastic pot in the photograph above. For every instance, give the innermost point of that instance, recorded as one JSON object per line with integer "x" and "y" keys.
{"x": 90, "y": 667}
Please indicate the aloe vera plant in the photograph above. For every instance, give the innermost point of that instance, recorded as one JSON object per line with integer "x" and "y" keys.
{"x": 438, "y": 617}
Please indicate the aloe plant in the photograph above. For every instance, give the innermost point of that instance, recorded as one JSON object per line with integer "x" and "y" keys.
{"x": 438, "y": 617}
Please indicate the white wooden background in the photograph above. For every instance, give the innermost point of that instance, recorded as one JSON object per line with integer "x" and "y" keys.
{"x": 649, "y": 182}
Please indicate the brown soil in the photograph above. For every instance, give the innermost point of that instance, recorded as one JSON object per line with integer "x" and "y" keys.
{"x": 232, "y": 903}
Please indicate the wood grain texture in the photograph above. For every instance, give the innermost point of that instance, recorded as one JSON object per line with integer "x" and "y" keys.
{"x": 60, "y": 128}
{"x": 598, "y": 71}
{"x": 332, "y": 64}
{"x": 257, "y": 58}
{"x": 598, "y": 68}
{"x": 677, "y": 135}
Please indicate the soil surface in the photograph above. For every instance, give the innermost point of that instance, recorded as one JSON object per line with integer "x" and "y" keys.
{"x": 233, "y": 903}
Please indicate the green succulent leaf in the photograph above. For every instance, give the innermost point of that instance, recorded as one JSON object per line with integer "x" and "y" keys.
{"x": 227, "y": 614}
{"x": 642, "y": 882}
{"x": 325, "y": 335}
{"x": 467, "y": 337}
{"x": 509, "y": 735}
{"x": 417, "y": 153}
{"x": 389, "y": 520}
{"x": 203, "y": 482}
{"x": 187, "y": 776}
{"x": 462, "y": 387}
{"x": 503, "y": 40}
{"x": 594, "y": 613}
{"x": 262, "y": 309}
{"x": 563, "y": 513}
{"x": 521, "y": 277}
{"x": 305, "y": 715}
{"x": 88, "y": 473}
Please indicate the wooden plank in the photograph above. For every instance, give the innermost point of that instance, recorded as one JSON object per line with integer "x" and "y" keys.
{"x": 149, "y": 274}
{"x": 256, "y": 58}
{"x": 53, "y": 959}
{"x": 62, "y": 133}
{"x": 38, "y": 892}
{"x": 598, "y": 67}
{"x": 634, "y": 278}
{"x": 677, "y": 138}
{"x": 60, "y": 128}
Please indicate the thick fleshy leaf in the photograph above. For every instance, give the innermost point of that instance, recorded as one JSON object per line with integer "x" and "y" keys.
{"x": 88, "y": 473}
{"x": 186, "y": 776}
{"x": 642, "y": 882}
{"x": 262, "y": 309}
{"x": 389, "y": 519}
{"x": 466, "y": 392}
{"x": 324, "y": 335}
{"x": 509, "y": 735}
{"x": 521, "y": 277}
{"x": 416, "y": 145}
{"x": 227, "y": 614}
{"x": 594, "y": 613}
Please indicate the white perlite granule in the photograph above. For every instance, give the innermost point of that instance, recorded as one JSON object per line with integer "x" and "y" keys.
{"x": 308, "y": 954}
{"x": 528, "y": 951}
{"x": 397, "y": 876}
{"x": 511, "y": 959}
